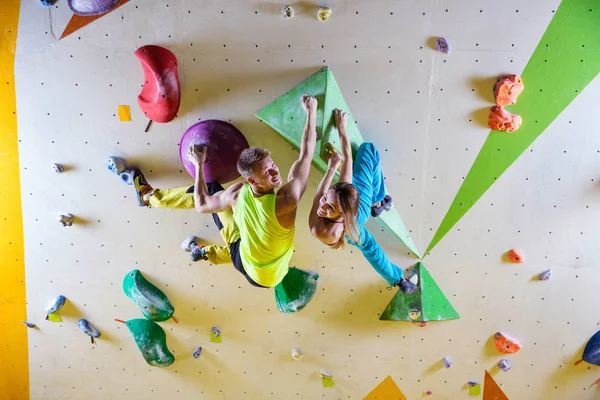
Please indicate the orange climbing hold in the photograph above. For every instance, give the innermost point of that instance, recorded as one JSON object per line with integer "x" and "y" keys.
{"x": 507, "y": 88}
{"x": 516, "y": 256}
{"x": 502, "y": 120}
{"x": 506, "y": 344}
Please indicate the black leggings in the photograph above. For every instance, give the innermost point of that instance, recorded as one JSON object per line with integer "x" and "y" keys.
{"x": 234, "y": 248}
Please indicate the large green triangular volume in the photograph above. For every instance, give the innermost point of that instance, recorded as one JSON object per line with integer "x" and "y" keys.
{"x": 428, "y": 303}
{"x": 565, "y": 60}
{"x": 153, "y": 303}
{"x": 286, "y": 116}
{"x": 296, "y": 290}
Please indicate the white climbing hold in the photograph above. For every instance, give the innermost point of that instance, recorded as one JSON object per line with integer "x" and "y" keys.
{"x": 544, "y": 276}
{"x": 58, "y": 168}
{"x": 288, "y": 12}
{"x": 414, "y": 279}
{"x": 297, "y": 354}
{"x": 505, "y": 365}
{"x": 323, "y": 14}
{"x": 66, "y": 219}
{"x": 325, "y": 374}
{"x": 447, "y": 362}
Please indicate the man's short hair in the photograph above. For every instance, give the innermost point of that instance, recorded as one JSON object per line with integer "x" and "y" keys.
{"x": 249, "y": 158}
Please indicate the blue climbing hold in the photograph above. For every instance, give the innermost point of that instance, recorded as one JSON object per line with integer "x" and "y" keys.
{"x": 89, "y": 329}
{"x": 48, "y": 3}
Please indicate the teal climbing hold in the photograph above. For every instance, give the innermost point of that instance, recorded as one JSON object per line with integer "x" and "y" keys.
{"x": 152, "y": 342}
{"x": 296, "y": 290}
{"x": 153, "y": 303}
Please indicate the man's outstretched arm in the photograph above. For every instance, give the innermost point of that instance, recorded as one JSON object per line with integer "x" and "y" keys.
{"x": 203, "y": 201}
{"x": 292, "y": 191}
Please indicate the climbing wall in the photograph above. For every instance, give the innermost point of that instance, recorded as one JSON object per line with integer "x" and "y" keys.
{"x": 427, "y": 113}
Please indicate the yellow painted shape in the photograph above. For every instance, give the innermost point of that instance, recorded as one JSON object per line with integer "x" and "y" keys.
{"x": 14, "y": 379}
{"x": 386, "y": 390}
{"x": 124, "y": 113}
{"x": 54, "y": 317}
{"x": 327, "y": 381}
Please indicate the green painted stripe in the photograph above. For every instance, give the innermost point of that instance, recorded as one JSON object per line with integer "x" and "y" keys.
{"x": 564, "y": 62}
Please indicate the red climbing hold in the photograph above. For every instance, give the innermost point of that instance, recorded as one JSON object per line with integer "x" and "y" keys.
{"x": 516, "y": 256}
{"x": 160, "y": 96}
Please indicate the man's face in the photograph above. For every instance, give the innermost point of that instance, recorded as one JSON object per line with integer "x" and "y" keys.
{"x": 266, "y": 174}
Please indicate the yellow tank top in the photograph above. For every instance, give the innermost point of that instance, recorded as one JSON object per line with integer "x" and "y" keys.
{"x": 265, "y": 247}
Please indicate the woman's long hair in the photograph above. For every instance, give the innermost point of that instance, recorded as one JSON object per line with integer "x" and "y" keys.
{"x": 348, "y": 199}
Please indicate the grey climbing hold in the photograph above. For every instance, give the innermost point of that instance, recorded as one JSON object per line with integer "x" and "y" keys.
{"x": 544, "y": 276}
{"x": 288, "y": 12}
{"x": 215, "y": 331}
{"x": 56, "y": 305}
{"x": 324, "y": 373}
{"x": 472, "y": 383}
{"x": 505, "y": 365}
{"x": 115, "y": 165}
{"x": 127, "y": 176}
{"x": 29, "y": 324}
{"x": 197, "y": 353}
{"x": 89, "y": 329}
{"x": 48, "y": 3}
{"x": 58, "y": 168}
{"x": 442, "y": 45}
{"x": 66, "y": 219}
{"x": 447, "y": 362}
{"x": 297, "y": 354}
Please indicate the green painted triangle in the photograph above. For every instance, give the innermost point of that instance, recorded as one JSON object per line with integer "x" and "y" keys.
{"x": 428, "y": 303}
{"x": 564, "y": 62}
{"x": 286, "y": 116}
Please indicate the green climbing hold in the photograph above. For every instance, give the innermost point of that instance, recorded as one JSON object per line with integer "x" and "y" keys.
{"x": 428, "y": 303}
{"x": 151, "y": 300}
{"x": 152, "y": 342}
{"x": 286, "y": 116}
{"x": 296, "y": 290}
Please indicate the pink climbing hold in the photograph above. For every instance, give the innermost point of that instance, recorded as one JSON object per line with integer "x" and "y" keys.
{"x": 429, "y": 393}
{"x": 516, "y": 256}
{"x": 161, "y": 94}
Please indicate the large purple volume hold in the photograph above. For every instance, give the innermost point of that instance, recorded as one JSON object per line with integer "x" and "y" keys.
{"x": 224, "y": 142}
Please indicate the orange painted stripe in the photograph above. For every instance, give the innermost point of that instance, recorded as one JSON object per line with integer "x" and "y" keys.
{"x": 14, "y": 365}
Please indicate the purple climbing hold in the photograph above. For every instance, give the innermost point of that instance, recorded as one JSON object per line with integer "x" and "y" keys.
{"x": 544, "y": 276}
{"x": 197, "y": 353}
{"x": 447, "y": 362}
{"x": 442, "y": 45}
{"x": 91, "y": 7}
{"x": 505, "y": 365}
{"x": 224, "y": 143}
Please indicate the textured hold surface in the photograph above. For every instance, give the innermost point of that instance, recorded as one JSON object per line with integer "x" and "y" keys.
{"x": 516, "y": 256}
{"x": 428, "y": 303}
{"x": 152, "y": 342}
{"x": 507, "y": 89}
{"x": 66, "y": 219}
{"x": 224, "y": 144}
{"x": 447, "y": 362}
{"x": 591, "y": 353}
{"x": 286, "y": 116}
{"x": 153, "y": 303}
{"x": 87, "y": 328}
{"x": 295, "y": 290}
{"x": 160, "y": 95}
{"x": 442, "y": 45}
{"x": 506, "y": 344}
{"x": 502, "y": 120}
{"x": 91, "y": 7}
{"x": 505, "y": 364}
{"x": 115, "y": 165}
{"x": 56, "y": 304}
